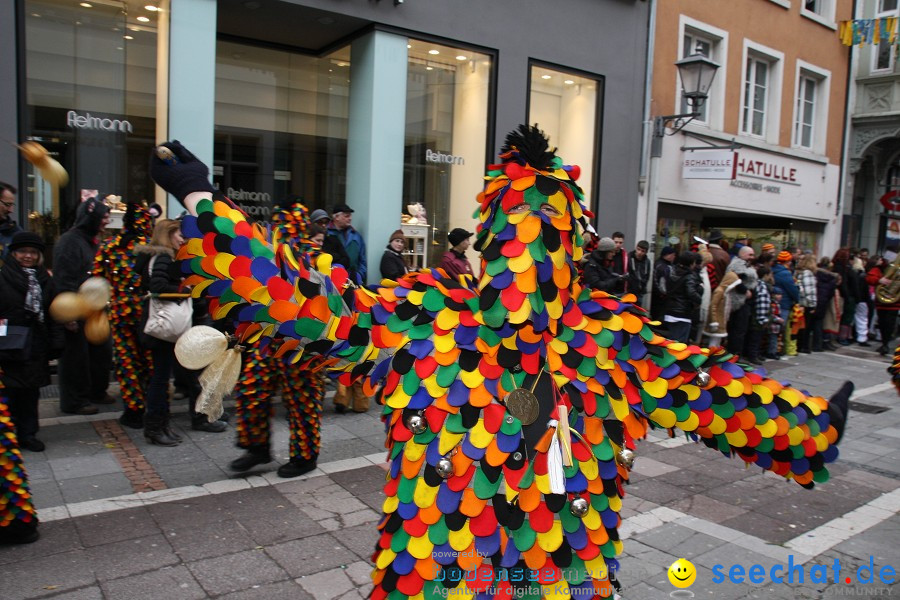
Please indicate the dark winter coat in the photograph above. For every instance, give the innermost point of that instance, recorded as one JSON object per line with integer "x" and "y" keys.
{"x": 599, "y": 275}
{"x": 33, "y": 371}
{"x": 826, "y": 284}
{"x": 392, "y": 264}
{"x": 455, "y": 264}
{"x": 685, "y": 293}
{"x": 333, "y": 246}
{"x": 73, "y": 254}
{"x": 164, "y": 279}
{"x": 638, "y": 275}
{"x": 8, "y": 228}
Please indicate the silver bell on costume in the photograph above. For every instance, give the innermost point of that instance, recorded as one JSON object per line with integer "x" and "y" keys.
{"x": 625, "y": 457}
{"x": 702, "y": 378}
{"x": 444, "y": 468}
{"x": 416, "y": 423}
{"x": 579, "y": 507}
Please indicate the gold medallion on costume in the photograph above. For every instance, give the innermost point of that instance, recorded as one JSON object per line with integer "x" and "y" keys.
{"x": 523, "y": 404}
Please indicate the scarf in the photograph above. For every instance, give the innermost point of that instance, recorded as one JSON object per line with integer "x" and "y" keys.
{"x": 33, "y": 297}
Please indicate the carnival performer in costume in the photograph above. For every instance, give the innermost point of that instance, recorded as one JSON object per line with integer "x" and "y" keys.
{"x": 115, "y": 263}
{"x": 510, "y": 402}
{"x": 264, "y": 375}
{"x": 18, "y": 518}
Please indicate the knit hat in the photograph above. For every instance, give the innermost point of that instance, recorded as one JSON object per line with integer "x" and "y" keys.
{"x": 667, "y": 251}
{"x": 456, "y": 236}
{"x": 606, "y": 244}
{"x": 26, "y": 239}
{"x": 319, "y": 214}
{"x": 784, "y": 256}
{"x": 767, "y": 248}
{"x": 397, "y": 235}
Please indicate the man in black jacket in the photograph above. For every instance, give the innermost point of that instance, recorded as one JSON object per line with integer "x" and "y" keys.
{"x": 638, "y": 271}
{"x": 83, "y": 368}
{"x": 685, "y": 294}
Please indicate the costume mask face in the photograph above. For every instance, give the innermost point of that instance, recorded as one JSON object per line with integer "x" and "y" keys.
{"x": 530, "y": 233}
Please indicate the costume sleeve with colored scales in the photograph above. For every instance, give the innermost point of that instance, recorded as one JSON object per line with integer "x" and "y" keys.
{"x": 432, "y": 344}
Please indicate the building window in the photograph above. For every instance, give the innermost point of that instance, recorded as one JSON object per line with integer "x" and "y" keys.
{"x": 448, "y": 93}
{"x": 91, "y": 102}
{"x": 805, "y": 112}
{"x": 694, "y": 43}
{"x": 565, "y": 105}
{"x": 885, "y": 53}
{"x": 756, "y": 90}
{"x": 280, "y": 127}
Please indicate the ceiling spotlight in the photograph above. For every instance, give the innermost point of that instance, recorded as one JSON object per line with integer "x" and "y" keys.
{"x": 134, "y": 28}
{"x": 461, "y": 57}
{"x": 568, "y": 82}
{"x": 545, "y": 76}
{"x": 86, "y": 4}
{"x": 151, "y": 8}
{"x": 435, "y": 52}
{"x": 429, "y": 68}
{"x": 408, "y": 46}
{"x": 128, "y": 37}
{"x": 143, "y": 19}
{"x": 342, "y": 64}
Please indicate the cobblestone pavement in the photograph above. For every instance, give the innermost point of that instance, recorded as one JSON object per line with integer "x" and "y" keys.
{"x": 123, "y": 519}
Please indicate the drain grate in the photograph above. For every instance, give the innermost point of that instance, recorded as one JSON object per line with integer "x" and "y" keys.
{"x": 871, "y": 409}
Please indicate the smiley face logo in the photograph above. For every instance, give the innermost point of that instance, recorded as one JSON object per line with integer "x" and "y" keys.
{"x": 682, "y": 573}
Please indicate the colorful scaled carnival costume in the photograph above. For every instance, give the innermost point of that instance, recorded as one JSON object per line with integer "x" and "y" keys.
{"x": 18, "y": 518}
{"x": 483, "y": 476}
{"x": 263, "y": 375}
{"x": 115, "y": 263}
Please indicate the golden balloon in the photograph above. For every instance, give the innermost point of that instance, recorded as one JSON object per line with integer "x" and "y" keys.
{"x": 95, "y": 293}
{"x": 68, "y": 306}
{"x": 96, "y": 328}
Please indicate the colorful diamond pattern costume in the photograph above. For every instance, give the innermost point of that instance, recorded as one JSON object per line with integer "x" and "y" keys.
{"x": 471, "y": 488}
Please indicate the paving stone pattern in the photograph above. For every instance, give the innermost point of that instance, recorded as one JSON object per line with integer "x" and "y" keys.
{"x": 216, "y": 534}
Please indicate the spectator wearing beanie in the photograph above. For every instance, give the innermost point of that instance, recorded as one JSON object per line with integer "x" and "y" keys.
{"x": 784, "y": 279}
{"x": 393, "y": 266}
{"x": 599, "y": 273}
{"x": 454, "y": 261}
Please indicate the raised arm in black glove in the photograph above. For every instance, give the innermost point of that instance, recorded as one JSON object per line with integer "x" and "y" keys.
{"x": 183, "y": 176}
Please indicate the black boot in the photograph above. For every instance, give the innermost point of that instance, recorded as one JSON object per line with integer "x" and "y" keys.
{"x": 297, "y": 466}
{"x": 839, "y": 408}
{"x": 154, "y": 432}
{"x": 884, "y": 350}
{"x": 132, "y": 418}
{"x": 199, "y": 422}
{"x": 167, "y": 427}
{"x": 255, "y": 455}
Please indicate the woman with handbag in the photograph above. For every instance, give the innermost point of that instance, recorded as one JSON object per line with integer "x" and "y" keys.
{"x": 160, "y": 275}
{"x": 26, "y": 329}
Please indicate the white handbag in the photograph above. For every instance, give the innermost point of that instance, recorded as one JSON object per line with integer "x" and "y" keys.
{"x": 167, "y": 319}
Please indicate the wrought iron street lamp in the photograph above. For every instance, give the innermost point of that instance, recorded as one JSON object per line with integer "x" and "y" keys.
{"x": 697, "y": 73}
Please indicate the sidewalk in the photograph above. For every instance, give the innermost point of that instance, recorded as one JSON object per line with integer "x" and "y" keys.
{"x": 123, "y": 519}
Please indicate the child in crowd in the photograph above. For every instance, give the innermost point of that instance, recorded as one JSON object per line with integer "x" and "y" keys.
{"x": 776, "y": 324}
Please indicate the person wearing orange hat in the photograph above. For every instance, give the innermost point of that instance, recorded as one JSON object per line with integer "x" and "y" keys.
{"x": 783, "y": 277}
{"x": 768, "y": 249}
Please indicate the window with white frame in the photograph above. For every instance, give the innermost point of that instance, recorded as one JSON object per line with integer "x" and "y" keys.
{"x": 885, "y": 53}
{"x": 805, "y": 112}
{"x": 756, "y": 95}
{"x": 697, "y": 43}
{"x": 810, "y": 124}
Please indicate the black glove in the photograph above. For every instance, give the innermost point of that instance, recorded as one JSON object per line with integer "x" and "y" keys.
{"x": 185, "y": 176}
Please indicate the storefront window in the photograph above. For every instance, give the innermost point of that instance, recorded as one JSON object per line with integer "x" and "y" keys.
{"x": 91, "y": 96}
{"x": 447, "y": 97}
{"x": 565, "y": 106}
{"x": 281, "y": 127}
